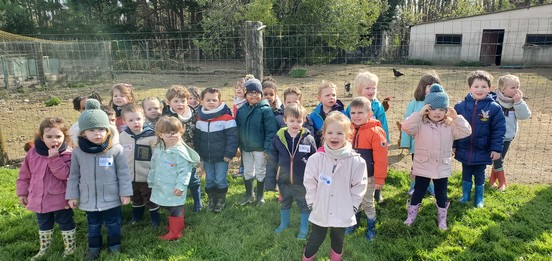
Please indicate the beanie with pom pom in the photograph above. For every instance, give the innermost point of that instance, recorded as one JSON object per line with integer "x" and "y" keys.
{"x": 437, "y": 98}
{"x": 93, "y": 117}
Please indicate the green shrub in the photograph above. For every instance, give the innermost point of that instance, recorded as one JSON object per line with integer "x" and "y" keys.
{"x": 298, "y": 73}
{"x": 52, "y": 101}
{"x": 469, "y": 64}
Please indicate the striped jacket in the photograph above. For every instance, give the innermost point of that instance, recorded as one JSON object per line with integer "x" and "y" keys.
{"x": 216, "y": 134}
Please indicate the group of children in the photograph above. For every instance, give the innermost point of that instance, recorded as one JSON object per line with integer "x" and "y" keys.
{"x": 331, "y": 161}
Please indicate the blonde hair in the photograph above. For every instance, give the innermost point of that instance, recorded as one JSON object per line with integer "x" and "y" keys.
{"x": 293, "y": 90}
{"x": 175, "y": 91}
{"x": 125, "y": 89}
{"x": 325, "y": 85}
{"x": 505, "y": 79}
{"x": 152, "y": 98}
{"x": 341, "y": 119}
{"x": 168, "y": 124}
{"x": 248, "y": 77}
{"x": 296, "y": 111}
{"x": 361, "y": 102}
{"x": 364, "y": 78}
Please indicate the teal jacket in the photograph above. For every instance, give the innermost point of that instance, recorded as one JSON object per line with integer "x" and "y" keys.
{"x": 171, "y": 169}
{"x": 256, "y": 127}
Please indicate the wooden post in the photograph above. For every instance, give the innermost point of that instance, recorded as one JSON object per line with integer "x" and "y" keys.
{"x": 38, "y": 53}
{"x": 254, "y": 48}
{"x": 3, "y": 151}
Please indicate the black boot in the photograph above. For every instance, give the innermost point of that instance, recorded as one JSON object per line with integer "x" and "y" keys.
{"x": 248, "y": 193}
{"x": 260, "y": 193}
{"x": 137, "y": 214}
{"x": 221, "y": 200}
{"x": 155, "y": 219}
{"x": 212, "y": 197}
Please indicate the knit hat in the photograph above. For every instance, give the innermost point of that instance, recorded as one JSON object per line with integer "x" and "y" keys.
{"x": 93, "y": 117}
{"x": 437, "y": 98}
{"x": 253, "y": 85}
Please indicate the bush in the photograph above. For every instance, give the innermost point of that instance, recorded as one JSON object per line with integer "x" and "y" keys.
{"x": 298, "y": 73}
{"x": 52, "y": 101}
{"x": 470, "y": 64}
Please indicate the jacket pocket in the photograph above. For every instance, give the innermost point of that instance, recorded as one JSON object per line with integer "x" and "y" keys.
{"x": 57, "y": 187}
{"x": 111, "y": 192}
{"x": 83, "y": 190}
{"x": 421, "y": 156}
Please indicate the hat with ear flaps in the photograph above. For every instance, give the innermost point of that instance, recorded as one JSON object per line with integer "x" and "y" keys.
{"x": 437, "y": 98}
{"x": 93, "y": 117}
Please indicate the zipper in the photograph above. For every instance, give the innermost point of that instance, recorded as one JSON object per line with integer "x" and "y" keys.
{"x": 334, "y": 166}
{"x": 95, "y": 185}
{"x": 474, "y": 114}
{"x": 208, "y": 140}
{"x": 292, "y": 156}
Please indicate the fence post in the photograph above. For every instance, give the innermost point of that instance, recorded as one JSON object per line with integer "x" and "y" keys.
{"x": 3, "y": 151}
{"x": 254, "y": 48}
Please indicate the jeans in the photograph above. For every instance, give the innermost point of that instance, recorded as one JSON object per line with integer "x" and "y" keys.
{"x": 477, "y": 171}
{"x": 111, "y": 218}
{"x": 215, "y": 174}
{"x": 63, "y": 217}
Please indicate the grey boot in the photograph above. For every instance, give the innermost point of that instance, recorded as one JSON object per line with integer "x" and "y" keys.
{"x": 260, "y": 194}
{"x": 248, "y": 193}
{"x": 46, "y": 237}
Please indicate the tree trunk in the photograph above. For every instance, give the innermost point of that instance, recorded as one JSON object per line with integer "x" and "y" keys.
{"x": 254, "y": 48}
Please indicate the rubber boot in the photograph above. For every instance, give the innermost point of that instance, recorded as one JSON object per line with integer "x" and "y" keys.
{"x": 137, "y": 214}
{"x": 351, "y": 229}
{"x": 412, "y": 214}
{"x": 378, "y": 198}
{"x": 466, "y": 191}
{"x": 370, "y": 229}
{"x": 307, "y": 258}
{"x": 248, "y": 198}
{"x": 176, "y": 225}
{"x": 212, "y": 197}
{"x": 304, "y": 226}
{"x": 442, "y": 216}
{"x": 284, "y": 220}
{"x": 334, "y": 256}
{"x": 221, "y": 200}
{"x": 501, "y": 180}
{"x": 46, "y": 237}
{"x": 69, "y": 244}
{"x": 155, "y": 219}
{"x": 196, "y": 195}
{"x": 431, "y": 189}
{"x": 478, "y": 199}
{"x": 114, "y": 244}
{"x": 94, "y": 247}
{"x": 260, "y": 194}
{"x": 492, "y": 179}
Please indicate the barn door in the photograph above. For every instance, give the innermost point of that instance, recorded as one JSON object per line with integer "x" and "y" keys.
{"x": 491, "y": 47}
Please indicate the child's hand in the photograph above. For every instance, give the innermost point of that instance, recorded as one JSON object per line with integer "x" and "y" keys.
{"x": 177, "y": 192}
{"x": 518, "y": 96}
{"x": 72, "y": 203}
{"x": 125, "y": 200}
{"x": 53, "y": 152}
{"x": 452, "y": 112}
{"x": 495, "y": 155}
{"x": 425, "y": 110}
{"x": 378, "y": 186}
{"x": 227, "y": 160}
{"x": 23, "y": 200}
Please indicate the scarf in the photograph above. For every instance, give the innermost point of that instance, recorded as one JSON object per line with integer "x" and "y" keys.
{"x": 239, "y": 101}
{"x": 93, "y": 148}
{"x": 187, "y": 115}
{"x": 339, "y": 153}
{"x": 117, "y": 110}
{"x": 503, "y": 100}
{"x": 42, "y": 149}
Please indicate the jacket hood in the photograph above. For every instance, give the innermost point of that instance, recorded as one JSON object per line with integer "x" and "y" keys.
{"x": 488, "y": 98}
{"x": 208, "y": 115}
{"x": 76, "y": 132}
{"x": 146, "y": 132}
{"x": 184, "y": 151}
{"x": 281, "y": 134}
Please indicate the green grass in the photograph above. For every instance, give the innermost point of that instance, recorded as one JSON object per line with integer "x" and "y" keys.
{"x": 515, "y": 225}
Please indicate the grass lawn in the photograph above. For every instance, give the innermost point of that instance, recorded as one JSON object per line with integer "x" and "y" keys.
{"x": 515, "y": 225}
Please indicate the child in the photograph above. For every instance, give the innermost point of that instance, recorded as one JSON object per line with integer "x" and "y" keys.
{"x": 121, "y": 95}
{"x": 270, "y": 93}
{"x": 487, "y": 140}
{"x": 239, "y": 99}
{"x": 407, "y": 141}
{"x": 327, "y": 93}
{"x": 78, "y": 105}
{"x": 171, "y": 168}
{"x": 138, "y": 143}
{"x": 291, "y": 148}
{"x": 152, "y": 108}
{"x": 194, "y": 98}
{"x": 510, "y": 98}
{"x": 99, "y": 181}
{"x": 335, "y": 181}
{"x": 369, "y": 141}
{"x": 256, "y": 126}
{"x": 216, "y": 137}
{"x": 435, "y": 127}
{"x": 42, "y": 183}
{"x": 110, "y": 114}
{"x": 177, "y": 98}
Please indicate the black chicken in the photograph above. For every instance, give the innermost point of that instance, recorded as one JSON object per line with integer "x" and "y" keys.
{"x": 348, "y": 89}
{"x": 397, "y": 73}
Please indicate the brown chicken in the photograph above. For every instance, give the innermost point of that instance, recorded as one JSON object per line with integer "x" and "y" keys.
{"x": 385, "y": 103}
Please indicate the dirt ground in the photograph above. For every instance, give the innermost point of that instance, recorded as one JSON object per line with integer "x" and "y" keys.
{"x": 527, "y": 161}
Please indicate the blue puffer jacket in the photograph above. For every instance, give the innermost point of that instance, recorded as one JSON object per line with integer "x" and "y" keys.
{"x": 256, "y": 127}
{"x": 488, "y": 129}
{"x": 318, "y": 116}
{"x": 216, "y": 134}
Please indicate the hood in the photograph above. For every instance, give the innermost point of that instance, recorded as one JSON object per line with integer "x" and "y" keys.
{"x": 208, "y": 115}
{"x": 281, "y": 134}
{"x": 185, "y": 152}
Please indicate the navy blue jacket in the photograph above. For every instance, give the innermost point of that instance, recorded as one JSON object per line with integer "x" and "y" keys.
{"x": 216, "y": 134}
{"x": 488, "y": 128}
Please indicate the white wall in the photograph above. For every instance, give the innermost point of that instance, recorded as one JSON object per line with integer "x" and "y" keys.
{"x": 515, "y": 23}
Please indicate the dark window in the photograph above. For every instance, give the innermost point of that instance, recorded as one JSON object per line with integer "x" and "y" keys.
{"x": 538, "y": 39}
{"x": 448, "y": 39}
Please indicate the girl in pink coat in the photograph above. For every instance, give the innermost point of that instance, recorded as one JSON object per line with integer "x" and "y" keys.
{"x": 335, "y": 181}
{"x": 42, "y": 183}
{"x": 434, "y": 129}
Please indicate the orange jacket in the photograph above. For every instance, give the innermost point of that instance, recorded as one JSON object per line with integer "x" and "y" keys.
{"x": 370, "y": 142}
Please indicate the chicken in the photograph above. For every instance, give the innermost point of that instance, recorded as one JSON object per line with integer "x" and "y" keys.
{"x": 348, "y": 89}
{"x": 385, "y": 103}
{"x": 397, "y": 73}
{"x": 28, "y": 145}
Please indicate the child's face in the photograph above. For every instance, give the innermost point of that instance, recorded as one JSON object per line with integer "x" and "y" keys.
{"x": 211, "y": 101}
{"x": 171, "y": 138}
{"x": 152, "y": 109}
{"x": 359, "y": 115}
{"x": 96, "y": 136}
{"x": 335, "y": 136}
{"x": 436, "y": 115}
{"x": 270, "y": 95}
{"x": 112, "y": 119}
{"x": 291, "y": 99}
{"x": 135, "y": 121}
{"x": 511, "y": 89}
{"x": 83, "y": 104}
{"x": 294, "y": 125}
{"x": 179, "y": 105}
{"x": 253, "y": 97}
{"x": 369, "y": 91}
{"x": 239, "y": 90}
{"x": 53, "y": 138}
{"x": 479, "y": 89}
{"x": 327, "y": 97}
{"x": 427, "y": 88}
{"x": 119, "y": 99}
{"x": 193, "y": 101}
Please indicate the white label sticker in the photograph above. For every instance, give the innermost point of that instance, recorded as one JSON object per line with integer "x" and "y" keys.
{"x": 304, "y": 148}
{"x": 106, "y": 162}
{"x": 325, "y": 179}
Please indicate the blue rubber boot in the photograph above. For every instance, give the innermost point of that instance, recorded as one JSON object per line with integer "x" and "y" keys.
{"x": 466, "y": 191}
{"x": 370, "y": 229}
{"x": 304, "y": 227}
{"x": 155, "y": 219}
{"x": 352, "y": 228}
{"x": 479, "y": 191}
{"x": 284, "y": 220}
{"x": 196, "y": 195}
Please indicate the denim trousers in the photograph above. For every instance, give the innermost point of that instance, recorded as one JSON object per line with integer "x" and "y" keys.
{"x": 215, "y": 174}
{"x": 112, "y": 219}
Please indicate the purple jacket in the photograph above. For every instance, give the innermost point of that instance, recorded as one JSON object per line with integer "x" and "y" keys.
{"x": 44, "y": 180}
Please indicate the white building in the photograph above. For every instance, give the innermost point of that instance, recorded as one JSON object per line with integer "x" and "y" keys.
{"x": 515, "y": 37}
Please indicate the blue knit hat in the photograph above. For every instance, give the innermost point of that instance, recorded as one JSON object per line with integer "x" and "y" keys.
{"x": 437, "y": 98}
{"x": 93, "y": 117}
{"x": 253, "y": 85}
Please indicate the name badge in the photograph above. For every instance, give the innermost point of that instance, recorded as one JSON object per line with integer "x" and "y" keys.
{"x": 127, "y": 147}
{"x": 304, "y": 148}
{"x": 106, "y": 162}
{"x": 325, "y": 179}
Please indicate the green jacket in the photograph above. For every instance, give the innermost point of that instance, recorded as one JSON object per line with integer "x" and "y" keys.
{"x": 256, "y": 127}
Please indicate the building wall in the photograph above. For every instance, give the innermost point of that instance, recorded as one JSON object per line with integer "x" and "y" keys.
{"x": 515, "y": 23}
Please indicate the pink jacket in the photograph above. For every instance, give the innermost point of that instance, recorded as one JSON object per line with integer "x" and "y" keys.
{"x": 43, "y": 180}
{"x": 433, "y": 144}
{"x": 335, "y": 188}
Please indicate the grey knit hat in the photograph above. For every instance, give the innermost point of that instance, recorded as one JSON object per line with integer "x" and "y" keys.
{"x": 437, "y": 98}
{"x": 253, "y": 85}
{"x": 93, "y": 117}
